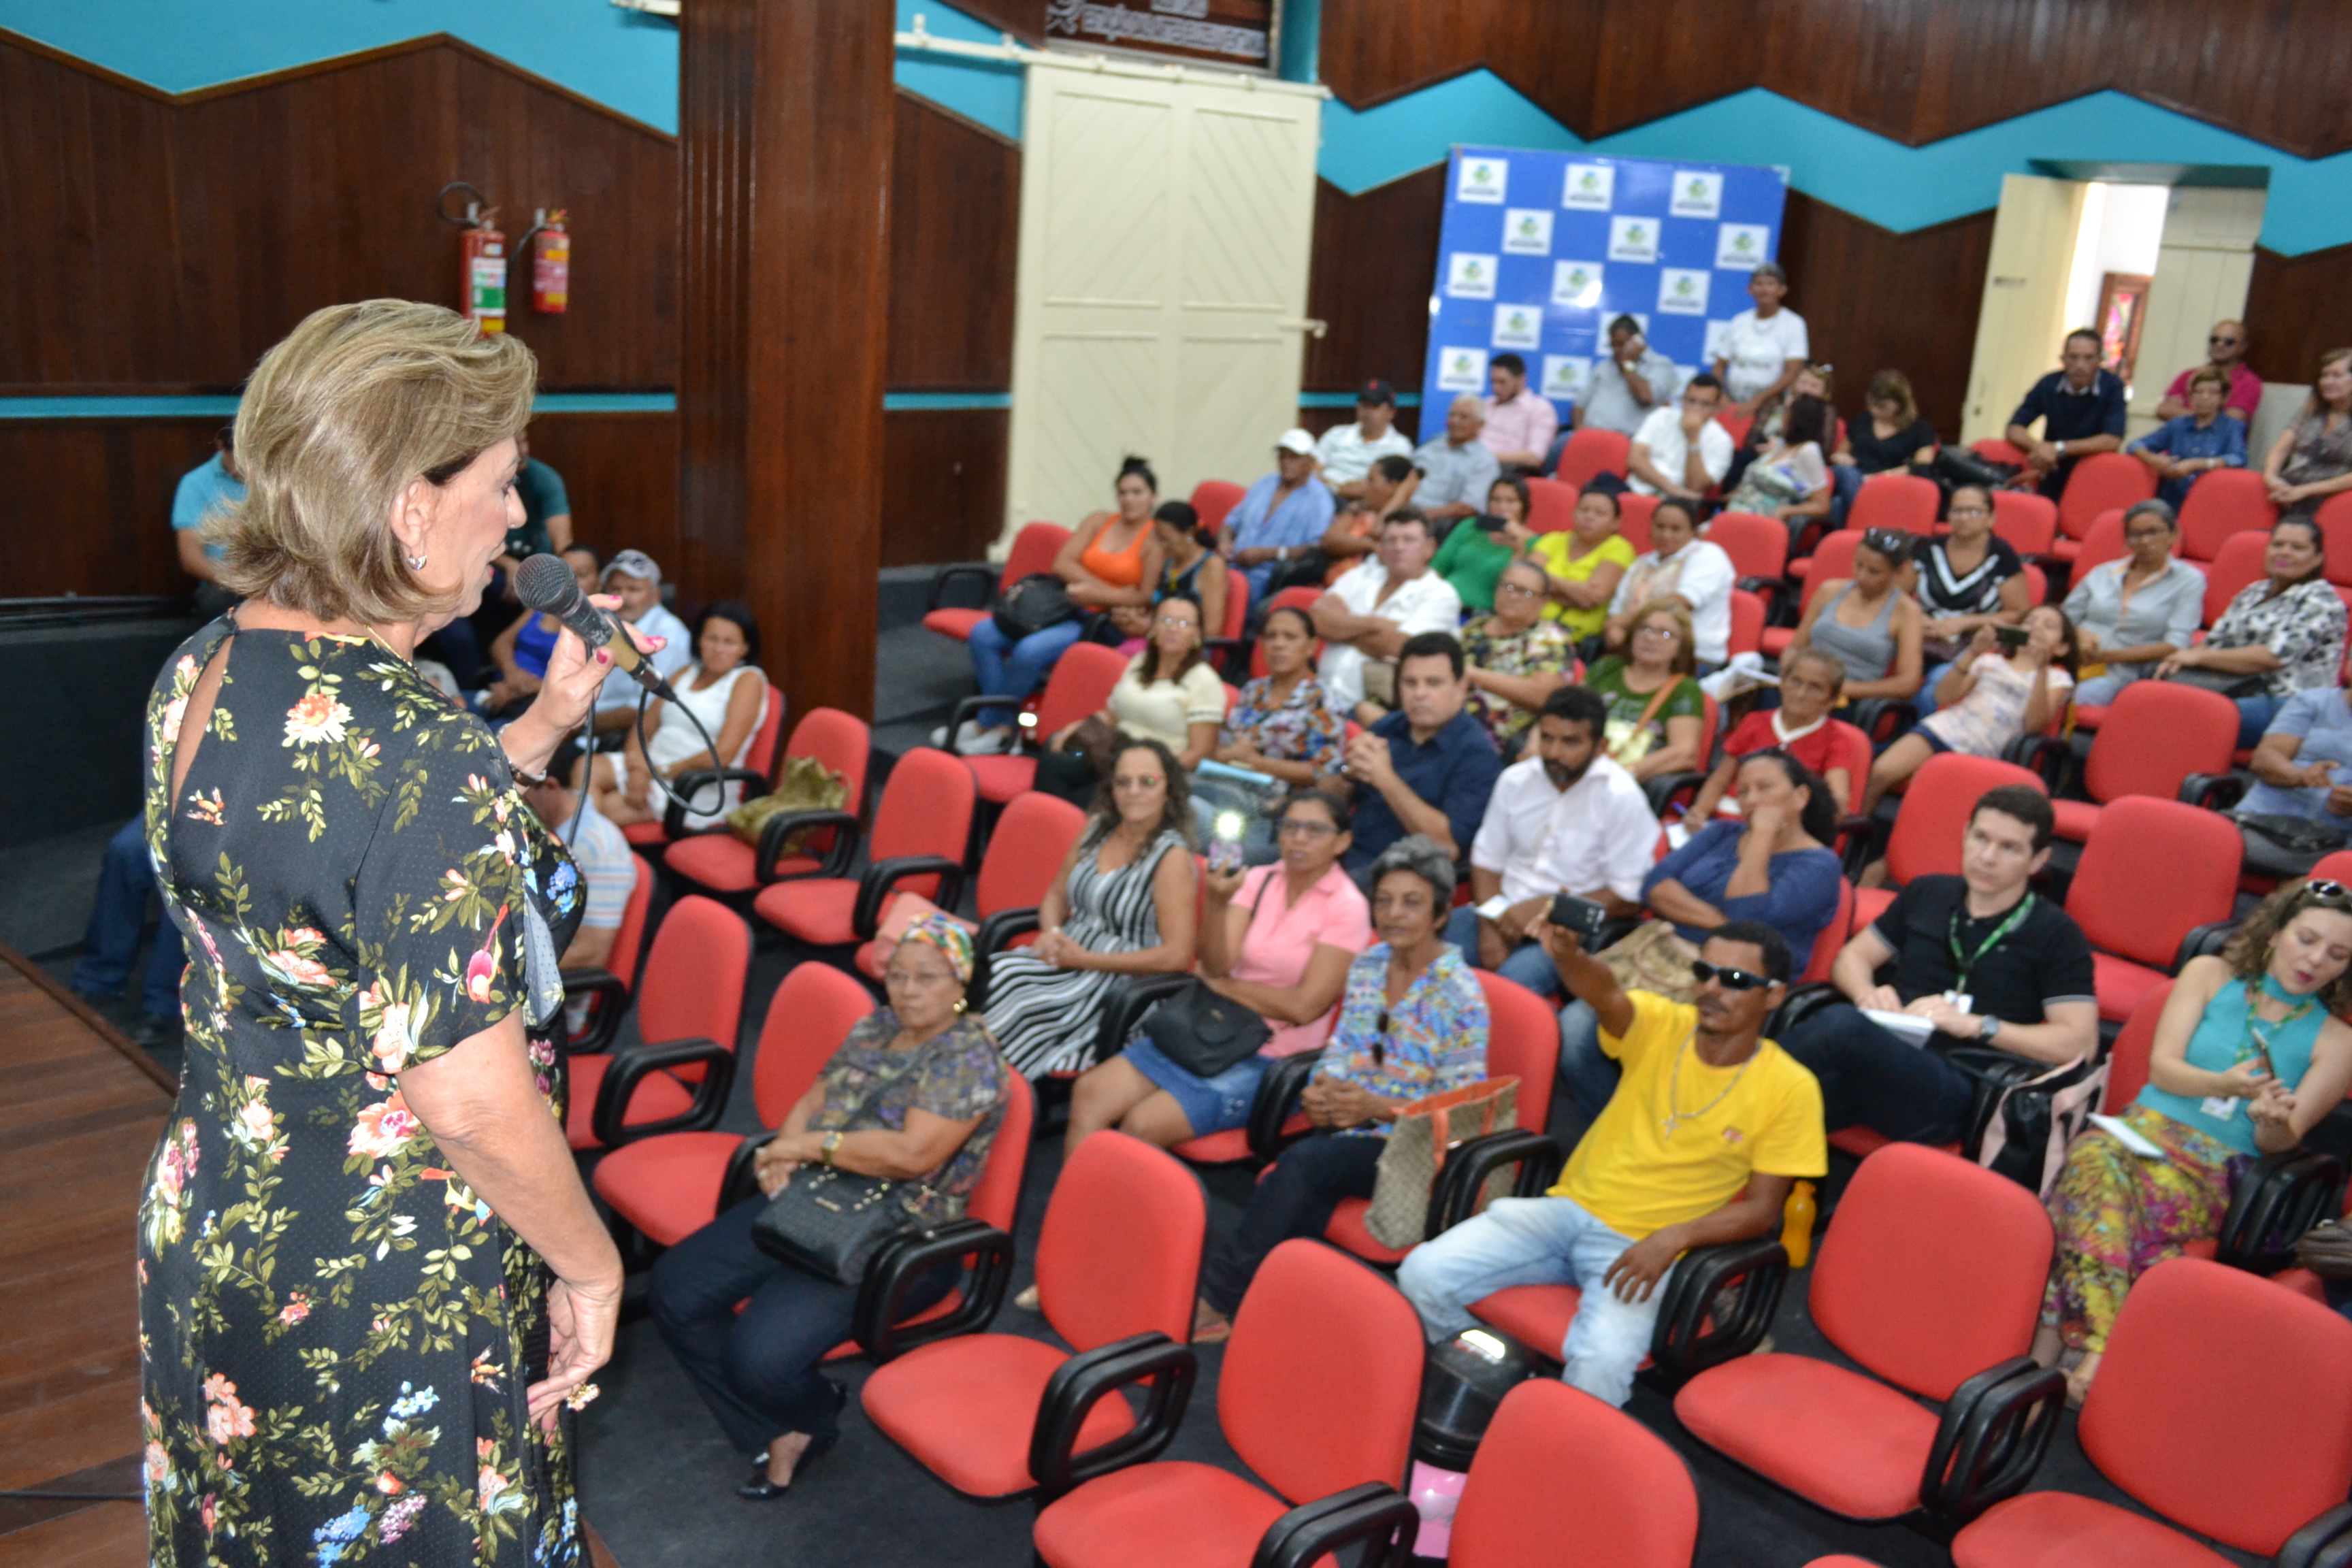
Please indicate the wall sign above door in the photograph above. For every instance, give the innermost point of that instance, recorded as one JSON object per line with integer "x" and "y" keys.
{"x": 1238, "y": 32}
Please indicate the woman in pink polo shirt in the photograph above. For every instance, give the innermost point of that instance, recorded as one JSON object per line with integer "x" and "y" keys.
{"x": 1277, "y": 939}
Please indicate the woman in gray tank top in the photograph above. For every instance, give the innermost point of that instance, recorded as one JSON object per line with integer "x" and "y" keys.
{"x": 1867, "y": 623}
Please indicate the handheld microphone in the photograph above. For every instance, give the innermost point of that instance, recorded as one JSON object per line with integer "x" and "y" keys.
{"x": 545, "y": 584}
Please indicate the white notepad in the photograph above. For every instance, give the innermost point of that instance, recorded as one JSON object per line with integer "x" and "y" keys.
{"x": 2125, "y": 1134}
{"x": 1910, "y": 1027}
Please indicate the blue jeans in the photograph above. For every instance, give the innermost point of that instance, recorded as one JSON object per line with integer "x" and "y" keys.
{"x": 1297, "y": 1197}
{"x": 2254, "y": 718}
{"x": 1847, "y": 482}
{"x": 2101, "y": 691}
{"x": 1538, "y": 1241}
{"x": 1925, "y": 703}
{"x": 1589, "y": 1073}
{"x": 110, "y": 944}
{"x": 1527, "y": 964}
{"x": 1016, "y": 669}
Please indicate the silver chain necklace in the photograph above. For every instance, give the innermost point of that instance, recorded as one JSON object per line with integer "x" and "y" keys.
{"x": 1675, "y": 1119}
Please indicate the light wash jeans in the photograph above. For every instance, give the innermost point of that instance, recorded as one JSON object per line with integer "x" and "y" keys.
{"x": 1538, "y": 1241}
{"x": 1016, "y": 669}
{"x": 1527, "y": 964}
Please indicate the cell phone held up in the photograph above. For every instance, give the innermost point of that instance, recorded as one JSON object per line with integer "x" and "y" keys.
{"x": 2009, "y": 639}
{"x": 1582, "y": 916}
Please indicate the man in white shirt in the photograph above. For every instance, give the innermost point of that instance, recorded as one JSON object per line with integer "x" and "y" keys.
{"x": 1368, "y": 614}
{"x": 1763, "y": 348}
{"x": 634, "y": 576}
{"x": 1347, "y": 452}
{"x": 1566, "y": 820}
{"x": 1682, "y": 451}
{"x": 1678, "y": 565}
{"x": 1521, "y": 422}
{"x": 1455, "y": 468}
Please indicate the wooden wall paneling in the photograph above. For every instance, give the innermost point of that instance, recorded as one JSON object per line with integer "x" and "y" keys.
{"x": 943, "y": 485}
{"x": 92, "y": 511}
{"x": 955, "y": 221}
{"x": 2298, "y": 308}
{"x": 1368, "y": 279}
{"x": 620, "y": 472}
{"x": 1024, "y": 19}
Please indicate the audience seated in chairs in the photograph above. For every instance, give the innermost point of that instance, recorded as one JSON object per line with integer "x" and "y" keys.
{"x": 2251, "y": 1051}
{"x": 1345, "y": 454}
{"x": 1988, "y": 699}
{"x": 1583, "y": 564}
{"x": 915, "y": 1094}
{"x": 2133, "y": 614}
{"x": 1374, "y": 608}
{"x": 2302, "y": 769}
{"x": 1456, "y": 468}
{"x": 2311, "y": 459}
{"x": 1412, "y": 1023}
{"x": 1867, "y": 623}
{"x": 636, "y": 580}
{"x": 520, "y": 651}
{"x": 723, "y": 689}
{"x": 1278, "y": 940}
{"x": 1282, "y": 724}
{"x": 1657, "y": 714}
{"x": 2280, "y": 635}
{"x": 1170, "y": 693}
{"x": 607, "y": 869}
{"x": 1476, "y": 551}
{"x": 1678, "y": 564}
{"x": 1984, "y": 959}
{"x": 1123, "y": 903}
{"x": 1282, "y": 518}
{"x": 1801, "y": 726}
{"x": 2079, "y": 407}
{"x": 1790, "y": 478}
{"x": 1772, "y": 867}
{"x": 2196, "y": 442}
{"x": 1967, "y": 578}
{"x": 1684, "y": 451}
{"x": 1426, "y": 769}
{"x": 1514, "y": 660}
{"x": 1699, "y": 1144}
{"x": 1565, "y": 820}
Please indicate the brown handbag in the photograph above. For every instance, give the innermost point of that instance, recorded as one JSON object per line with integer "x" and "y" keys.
{"x": 1416, "y": 1151}
{"x": 2327, "y": 1250}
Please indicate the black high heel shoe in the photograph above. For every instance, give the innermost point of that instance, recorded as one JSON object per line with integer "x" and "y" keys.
{"x": 759, "y": 1488}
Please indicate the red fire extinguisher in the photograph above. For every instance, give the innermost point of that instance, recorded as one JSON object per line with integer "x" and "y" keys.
{"x": 482, "y": 259}
{"x": 550, "y": 268}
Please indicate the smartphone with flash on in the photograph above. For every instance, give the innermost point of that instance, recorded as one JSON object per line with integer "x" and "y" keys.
{"x": 1224, "y": 853}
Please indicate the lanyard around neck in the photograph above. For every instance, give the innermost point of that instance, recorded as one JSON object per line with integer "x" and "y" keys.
{"x": 1964, "y": 964}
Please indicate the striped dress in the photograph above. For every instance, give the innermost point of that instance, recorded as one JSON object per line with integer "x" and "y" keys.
{"x": 1047, "y": 1019}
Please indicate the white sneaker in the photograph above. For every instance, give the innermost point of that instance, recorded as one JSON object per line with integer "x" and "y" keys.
{"x": 940, "y": 737}
{"x": 990, "y": 743}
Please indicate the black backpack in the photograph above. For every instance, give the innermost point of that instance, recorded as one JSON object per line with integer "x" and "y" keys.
{"x": 1031, "y": 605}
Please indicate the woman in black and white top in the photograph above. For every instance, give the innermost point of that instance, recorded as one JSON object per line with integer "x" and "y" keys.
{"x": 1969, "y": 578}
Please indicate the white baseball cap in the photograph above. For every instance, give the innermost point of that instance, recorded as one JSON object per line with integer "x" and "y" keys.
{"x": 1295, "y": 440}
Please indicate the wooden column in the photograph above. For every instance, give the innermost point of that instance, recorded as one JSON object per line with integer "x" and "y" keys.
{"x": 784, "y": 142}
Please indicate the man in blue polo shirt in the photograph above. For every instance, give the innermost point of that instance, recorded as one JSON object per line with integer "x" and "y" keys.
{"x": 2081, "y": 408}
{"x": 1427, "y": 768}
{"x": 205, "y": 489}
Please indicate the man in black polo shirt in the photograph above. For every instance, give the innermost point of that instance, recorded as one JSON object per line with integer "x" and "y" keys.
{"x": 2082, "y": 411}
{"x": 1981, "y": 957}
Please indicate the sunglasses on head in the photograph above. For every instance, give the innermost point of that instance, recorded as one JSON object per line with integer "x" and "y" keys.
{"x": 2325, "y": 890}
{"x": 1887, "y": 540}
{"x": 1730, "y": 979}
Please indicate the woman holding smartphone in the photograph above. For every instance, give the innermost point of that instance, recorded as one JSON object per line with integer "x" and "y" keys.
{"x": 2010, "y": 683}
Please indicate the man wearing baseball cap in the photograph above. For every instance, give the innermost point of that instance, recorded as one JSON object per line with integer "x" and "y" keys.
{"x": 1282, "y": 517}
{"x": 1347, "y": 452}
{"x": 634, "y": 576}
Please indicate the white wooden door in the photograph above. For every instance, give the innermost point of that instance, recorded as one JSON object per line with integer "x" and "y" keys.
{"x": 2023, "y": 315}
{"x": 1166, "y": 215}
{"x": 2202, "y": 271}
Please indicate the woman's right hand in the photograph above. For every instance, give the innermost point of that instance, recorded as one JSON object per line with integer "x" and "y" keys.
{"x": 1223, "y": 885}
{"x": 2087, "y": 645}
{"x": 2245, "y": 1080}
{"x": 1981, "y": 642}
{"x": 581, "y": 1318}
{"x": 771, "y": 1169}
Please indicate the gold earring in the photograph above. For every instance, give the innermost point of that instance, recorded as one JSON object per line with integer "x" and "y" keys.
{"x": 961, "y": 1004}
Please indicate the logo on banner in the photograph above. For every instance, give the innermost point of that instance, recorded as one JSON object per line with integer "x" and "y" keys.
{"x": 1590, "y": 185}
{"x": 1682, "y": 291}
{"x": 1696, "y": 195}
{"x": 1462, "y": 370}
{"x": 1564, "y": 376}
{"x": 1576, "y": 284}
{"x": 1633, "y": 239}
{"x": 1742, "y": 245}
{"x": 1717, "y": 334}
{"x": 1482, "y": 180}
{"x": 1518, "y": 327}
{"x": 1469, "y": 275}
{"x": 1527, "y": 231}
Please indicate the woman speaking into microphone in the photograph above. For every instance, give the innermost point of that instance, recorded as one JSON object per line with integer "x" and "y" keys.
{"x": 363, "y": 1222}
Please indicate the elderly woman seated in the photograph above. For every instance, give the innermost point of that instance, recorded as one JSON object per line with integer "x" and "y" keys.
{"x": 915, "y": 1094}
{"x": 1412, "y": 1023}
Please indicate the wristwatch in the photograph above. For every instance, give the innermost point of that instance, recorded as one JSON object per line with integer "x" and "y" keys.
{"x": 825, "y": 1148}
{"x": 1988, "y": 1031}
{"x": 2058, "y": 447}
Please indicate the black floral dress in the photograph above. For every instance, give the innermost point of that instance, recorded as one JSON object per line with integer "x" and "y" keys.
{"x": 336, "y": 1331}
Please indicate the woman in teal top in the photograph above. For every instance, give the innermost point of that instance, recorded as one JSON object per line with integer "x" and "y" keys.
{"x": 1473, "y": 556}
{"x": 2251, "y": 1052}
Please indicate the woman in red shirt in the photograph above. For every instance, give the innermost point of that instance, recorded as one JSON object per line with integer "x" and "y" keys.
{"x": 1800, "y": 726}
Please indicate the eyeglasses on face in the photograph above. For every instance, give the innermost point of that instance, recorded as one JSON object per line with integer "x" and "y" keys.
{"x": 1137, "y": 781}
{"x": 2221, "y": 340}
{"x": 1723, "y": 974}
{"x": 1520, "y": 589}
{"x": 1659, "y": 629}
{"x": 1304, "y": 827}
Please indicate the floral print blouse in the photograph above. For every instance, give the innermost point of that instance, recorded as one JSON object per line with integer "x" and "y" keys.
{"x": 1436, "y": 1037}
{"x": 2303, "y": 626}
{"x": 1544, "y": 649}
{"x": 1301, "y": 728}
{"x": 957, "y": 1074}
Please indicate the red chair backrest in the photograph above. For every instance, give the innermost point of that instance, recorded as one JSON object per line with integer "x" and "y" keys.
{"x": 1736, "y": 423}
{"x": 2028, "y": 520}
{"x": 760, "y": 752}
{"x": 1758, "y": 546}
{"x": 1522, "y": 1041}
{"x": 1853, "y": 754}
{"x": 1551, "y": 505}
{"x": 1025, "y": 850}
{"x": 1747, "y": 622}
{"x": 1932, "y": 1268}
{"x": 1896, "y": 500}
{"x": 2102, "y": 543}
{"x": 810, "y": 1016}
{"x": 2152, "y": 871}
{"x": 1033, "y": 548}
{"x": 1936, "y": 811}
{"x": 1590, "y": 452}
{"x": 2227, "y": 575}
{"x": 839, "y": 740}
{"x": 629, "y": 941}
{"x": 996, "y": 1197}
{"x": 693, "y": 986}
{"x": 2336, "y": 867}
{"x": 1080, "y": 685}
{"x": 1833, "y": 937}
{"x": 2037, "y": 584}
{"x": 2100, "y": 481}
{"x": 1237, "y": 604}
{"x": 2224, "y": 502}
{"x": 2245, "y": 1448}
{"x": 2127, "y": 1057}
{"x": 1120, "y": 1251}
{"x": 1633, "y": 1505}
{"x": 926, "y": 810}
{"x": 2334, "y": 519}
{"x": 2156, "y": 733}
{"x": 1633, "y": 512}
{"x": 1213, "y": 499}
{"x": 1832, "y": 557}
{"x": 1322, "y": 1375}
{"x": 1993, "y": 449}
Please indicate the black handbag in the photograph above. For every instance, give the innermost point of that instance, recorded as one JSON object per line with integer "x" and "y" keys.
{"x": 2025, "y": 1112}
{"x": 1031, "y": 605}
{"x": 1204, "y": 1033}
{"x": 831, "y": 1222}
{"x": 2230, "y": 686}
{"x": 1955, "y": 466}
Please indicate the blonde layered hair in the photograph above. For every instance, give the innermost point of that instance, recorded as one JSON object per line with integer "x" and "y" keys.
{"x": 358, "y": 401}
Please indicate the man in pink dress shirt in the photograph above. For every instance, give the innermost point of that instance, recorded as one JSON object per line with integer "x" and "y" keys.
{"x": 1521, "y": 421}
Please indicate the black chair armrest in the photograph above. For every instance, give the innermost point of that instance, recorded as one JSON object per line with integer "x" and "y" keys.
{"x": 883, "y": 877}
{"x": 984, "y": 575}
{"x": 634, "y": 1066}
{"x": 2310, "y": 1546}
{"x": 1128, "y": 1003}
{"x": 2051, "y": 757}
{"x": 1800, "y": 1004}
{"x": 1869, "y": 712}
{"x": 1659, "y": 791}
{"x": 2215, "y": 792}
{"x": 1763, "y": 587}
{"x": 1682, "y": 1346}
{"x": 687, "y": 787}
{"x": 784, "y": 823}
{"x": 973, "y": 705}
{"x": 1373, "y": 1512}
{"x": 1226, "y": 655}
{"x": 907, "y": 1258}
{"x": 1453, "y": 1196}
{"x": 997, "y": 934}
{"x": 2282, "y": 1197}
{"x": 2204, "y": 941}
{"x": 1082, "y": 1382}
{"x": 1995, "y": 1429}
{"x": 1278, "y": 1097}
{"x": 742, "y": 1178}
{"x": 612, "y": 995}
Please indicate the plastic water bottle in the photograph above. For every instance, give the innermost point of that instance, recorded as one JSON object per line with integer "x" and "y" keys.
{"x": 1436, "y": 1493}
{"x": 1796, "y": 1226}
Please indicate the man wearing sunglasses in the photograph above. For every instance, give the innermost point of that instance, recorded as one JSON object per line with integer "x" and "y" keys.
{"x": 1711, "y": 1125}
{"x": 2225, "y": 351}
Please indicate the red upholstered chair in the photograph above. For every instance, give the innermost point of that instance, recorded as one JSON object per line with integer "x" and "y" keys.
{"x": 1080, "y": 685}
{"x": 2101, "y": 482}
{"x": 2239, "y": 563}
{"x": 1747, "y": 615}
{"x": 2221, "y": 504}
{"x": 1759, "y": 547}
{"x": 2103, "y": 542}
{"x": 1929, "y": 1279}
{"x": 1025, "y": 850}
{"x": 1904, "y": 501}
{"x": 1033, "y": 548}
{"x": 1832, "y": 559}
{"x": 1993, "y": 449}
{"x": 2154, "y": 736}
{"x": 2153, "y": 871}
{"x": 2028, "y": 520}
{"x": 1932, "y": 819}
{"x": 1214, "y": 499}
{"x": 922, "y": 829}
{"x": 759, "y": 754}
{"x": 1317, "y": 1396}
{"x": 1551, "y": 505}
{"x": 2334, "y": 519}
{"x": 1833, "y": 937}
{"x": 1633, "y": 512}
{"x": 1633, "y": 1505}
{"x": 2252, "y": 1452}
{"x": 1591, "y": 452}
{"x": 2336, "y": 867}
{"x": 718, "y": 860}
{"x": 1226, "y": 648}
{"x": 2127, "y": 1058}
{"x": 690, "y": 1009}
{"x": 1116, "y": 1266}
{"x": 1736, "y": 423}
{"x": 610, "y": 986}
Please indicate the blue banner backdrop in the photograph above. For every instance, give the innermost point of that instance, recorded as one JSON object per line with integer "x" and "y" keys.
{"x": 1539, "y": 251}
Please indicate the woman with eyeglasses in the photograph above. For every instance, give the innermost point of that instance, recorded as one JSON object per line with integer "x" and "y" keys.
{"x": 1867, "y": 623}
{"x": 1516, "y": 657}
{"x": 2251, "y": 1051}
{"x": 1282, "y": 724}
{"x": 1476, "y": 549}
{"x": 1169, "y": 693}
{"x": 1656, "y": 709}
{"x": 2134, "y": 614}
{"x": 2282, "y": 635}
{"x": 2311, "y": 459}
{"x": 1122, "y": 904}
{"x": 1412, "y": 1023}
{"x": 1991, "y": 695}
{"x": 1967, "y": 578}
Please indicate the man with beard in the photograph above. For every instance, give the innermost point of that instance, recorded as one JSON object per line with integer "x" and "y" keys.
{"x": 1565, "y": 820}
{"x": 1709, "y": 1128}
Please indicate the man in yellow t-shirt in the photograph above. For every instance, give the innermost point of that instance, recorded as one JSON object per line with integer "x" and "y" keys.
{"x": 1705, "y": 1108}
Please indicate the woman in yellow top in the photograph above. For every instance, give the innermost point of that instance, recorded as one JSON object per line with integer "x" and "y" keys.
{"x": 1583, "y": 565}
